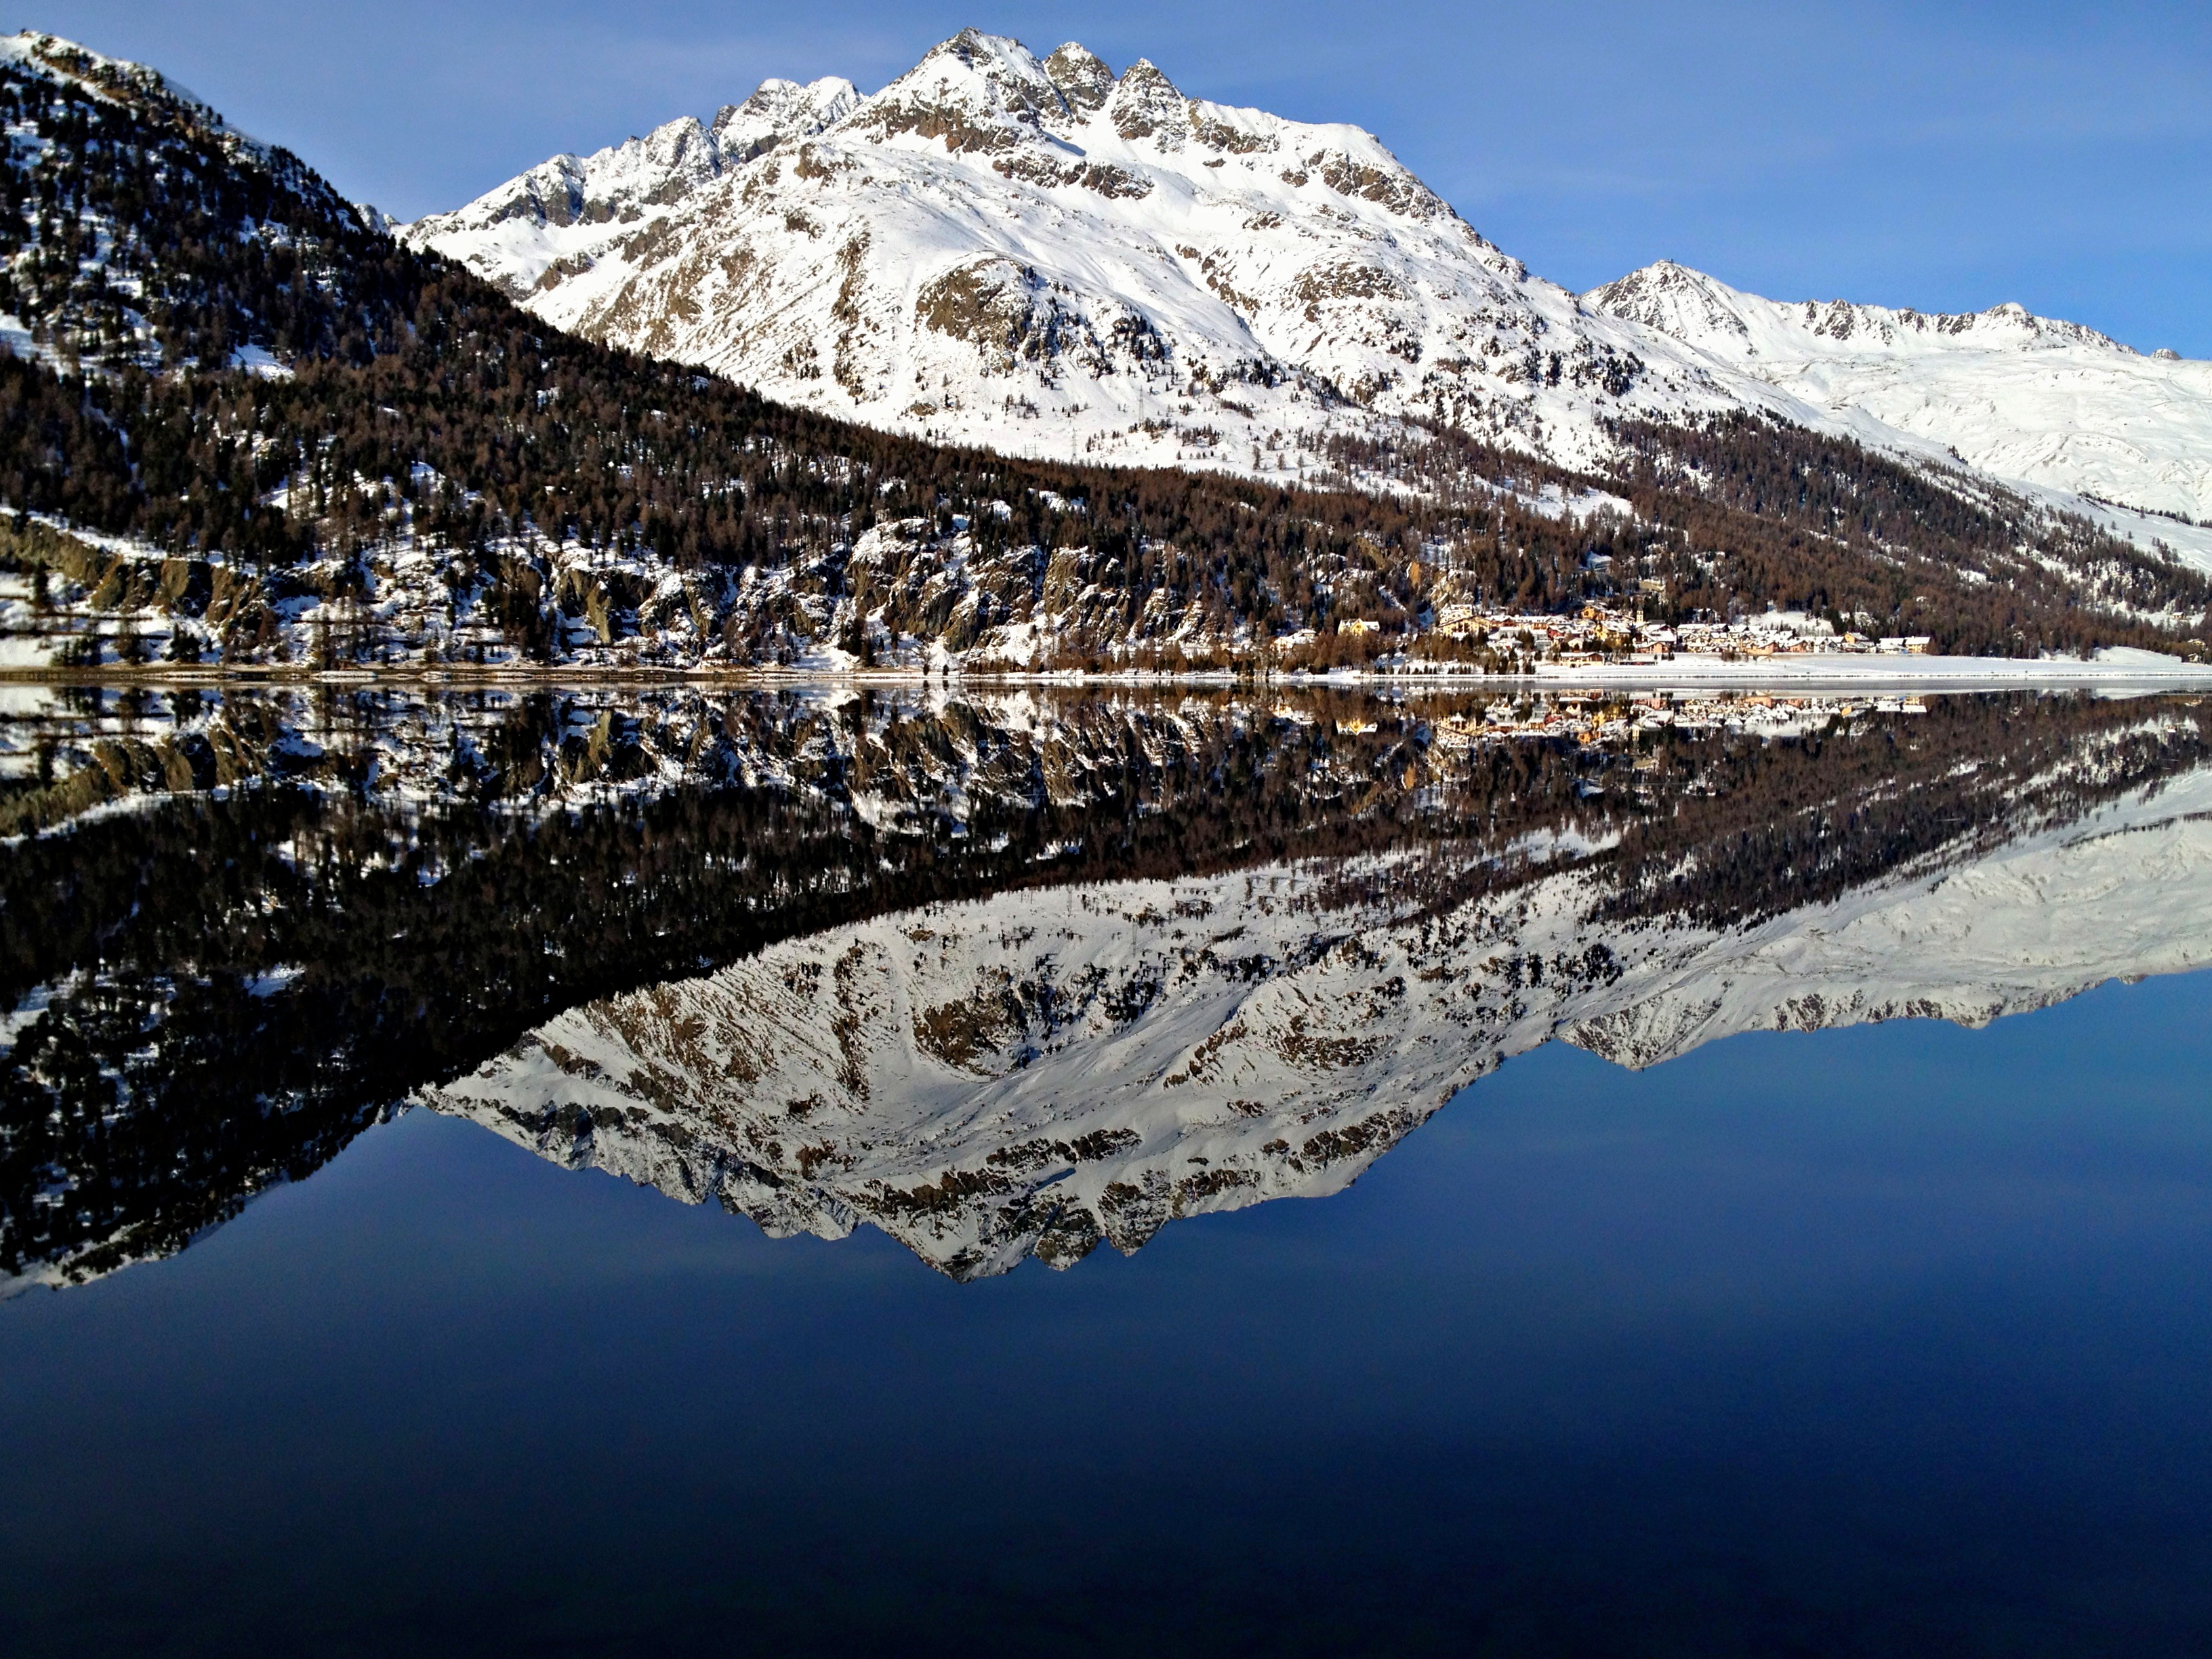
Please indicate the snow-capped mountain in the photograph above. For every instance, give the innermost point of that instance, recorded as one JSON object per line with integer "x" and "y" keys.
{"x": 2019, "y": 396}
{"x": 1046, "y": 257}
{"x": 1031, "y": 1074}
{"x": 1039, "y": 256}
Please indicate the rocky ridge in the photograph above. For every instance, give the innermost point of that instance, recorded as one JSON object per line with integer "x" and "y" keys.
{"x": 2022, "y": 396}
{"x": 1044, "y": 257}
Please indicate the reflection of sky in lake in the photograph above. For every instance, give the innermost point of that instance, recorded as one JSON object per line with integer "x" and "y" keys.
{"x": 1886, "y": 1339}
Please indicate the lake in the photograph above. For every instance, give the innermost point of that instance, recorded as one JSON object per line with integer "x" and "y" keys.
{"x": 646, "y": 1170}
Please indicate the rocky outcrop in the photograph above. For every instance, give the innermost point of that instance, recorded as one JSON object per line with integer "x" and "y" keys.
{"x": 1205, "y": 231}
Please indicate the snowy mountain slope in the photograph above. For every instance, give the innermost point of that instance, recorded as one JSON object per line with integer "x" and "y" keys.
{"x": 2043, "y": 403}
{"x": 1030, "y": 1074}
{"x": 1043, "y": 258}
{"x": 1048, "y": 258}
{"x": 567, "y": 212}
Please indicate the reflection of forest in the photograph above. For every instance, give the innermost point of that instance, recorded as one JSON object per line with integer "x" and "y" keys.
{"x": 288, "y": 913}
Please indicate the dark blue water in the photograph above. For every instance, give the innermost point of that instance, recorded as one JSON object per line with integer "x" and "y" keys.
{"x": 1889, "y": 1341}
{"x": 1892, "y": 1338}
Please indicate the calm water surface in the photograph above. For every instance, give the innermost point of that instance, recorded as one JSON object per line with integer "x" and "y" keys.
{"x": 610, "y": 1172}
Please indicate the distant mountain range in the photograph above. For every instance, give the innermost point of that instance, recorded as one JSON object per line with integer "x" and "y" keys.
{"x": 2046, "y": 403}
{"x": 1018, "y": 363}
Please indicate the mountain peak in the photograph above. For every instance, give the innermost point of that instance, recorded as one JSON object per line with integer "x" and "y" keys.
{"x": 780, "y": 110}
{"x": 976, "y": 92}
{"x": 1676, "y": 301}
{"x": 1082, "y": 76}
{"x": 1146, "y": 104}
{"x": 2028, "y": 399}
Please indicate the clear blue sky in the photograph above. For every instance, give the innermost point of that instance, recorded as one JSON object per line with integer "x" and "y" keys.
{"x": 1947, "y": 156}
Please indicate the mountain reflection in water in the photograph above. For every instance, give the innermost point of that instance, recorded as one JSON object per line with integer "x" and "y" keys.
{"x": 1004, "y": 976}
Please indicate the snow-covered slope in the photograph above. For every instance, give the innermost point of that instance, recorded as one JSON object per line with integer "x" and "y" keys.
{"x": 1031, "y": 1073}
{"x": 2026, "y": 398}
{"x": 544, "y": 225}
{"x": 1043, "y": 257}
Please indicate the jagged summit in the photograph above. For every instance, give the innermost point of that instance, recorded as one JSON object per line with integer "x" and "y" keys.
{"x": 1045, "y": 257}
{"x": 974, "y": 92}
{"x": 1083, "y": 77}
{"x": 624, "y": 183}
{"x": 778, "y": 109}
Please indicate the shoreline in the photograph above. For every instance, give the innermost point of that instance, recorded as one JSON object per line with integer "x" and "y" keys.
{"x": 1804, "y": 672}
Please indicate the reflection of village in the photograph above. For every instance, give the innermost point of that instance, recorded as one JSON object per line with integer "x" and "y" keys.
{"x": 1606, "y": 634}
{"x": 1616, "y": 717}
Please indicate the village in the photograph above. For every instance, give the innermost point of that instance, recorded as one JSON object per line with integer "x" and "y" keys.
{"x": 1604, "y": 633}
{"x": 1613, "y": 718}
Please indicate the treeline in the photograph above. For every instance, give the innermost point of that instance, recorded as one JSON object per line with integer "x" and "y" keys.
{"x": 1736, "y": 514}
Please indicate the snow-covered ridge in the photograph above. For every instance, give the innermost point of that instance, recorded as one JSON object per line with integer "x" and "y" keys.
{"x": 2025, "y": 397}
{"x": 1047, "y": 257}
{"x": 564, "y": 206}
{"x": 114, "y": 80}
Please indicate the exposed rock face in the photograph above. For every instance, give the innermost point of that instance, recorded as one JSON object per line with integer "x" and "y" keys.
{"x": 1081, "y": 75}
{"x": 1194, "y": 253}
